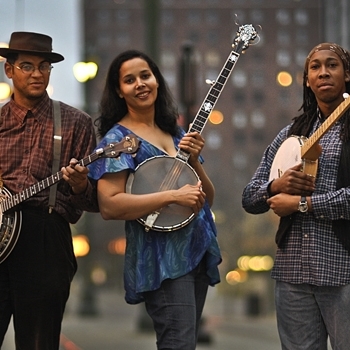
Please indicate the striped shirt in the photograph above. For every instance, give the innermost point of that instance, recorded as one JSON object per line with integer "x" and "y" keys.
{"x": 311, "y": 253}
{"x": 26, "y": 142}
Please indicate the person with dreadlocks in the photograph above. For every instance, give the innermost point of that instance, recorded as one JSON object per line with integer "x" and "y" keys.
{"x": 312, "y": 264}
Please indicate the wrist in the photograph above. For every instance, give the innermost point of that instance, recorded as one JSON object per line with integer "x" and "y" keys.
{"x": 79, "y": 189}
{"x": 303, "y": 205}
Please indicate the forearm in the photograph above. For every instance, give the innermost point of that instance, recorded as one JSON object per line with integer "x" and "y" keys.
{"x": 126, "y": 206}
{"x": 86, "y": 200}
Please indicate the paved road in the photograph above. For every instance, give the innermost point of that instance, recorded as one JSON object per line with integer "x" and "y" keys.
{"x": 116, "y": 327}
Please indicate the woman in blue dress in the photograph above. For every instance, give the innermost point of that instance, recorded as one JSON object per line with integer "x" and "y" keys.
{"x": 169, "y": 271}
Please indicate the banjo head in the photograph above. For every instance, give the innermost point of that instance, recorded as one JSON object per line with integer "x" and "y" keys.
{"x": 287, "y": 156}
{"x": 163, "y": 173}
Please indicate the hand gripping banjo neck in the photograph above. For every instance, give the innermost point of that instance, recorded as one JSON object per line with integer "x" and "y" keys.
{"x": 11, "y": 220}
{"x": 178, "y": 171}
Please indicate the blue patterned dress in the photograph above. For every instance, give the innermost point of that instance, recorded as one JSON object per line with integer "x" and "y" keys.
{"x": 151, "y": 257}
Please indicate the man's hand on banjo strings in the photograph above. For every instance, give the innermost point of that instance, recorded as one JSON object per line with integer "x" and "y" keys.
{"x": 294, "y": 182}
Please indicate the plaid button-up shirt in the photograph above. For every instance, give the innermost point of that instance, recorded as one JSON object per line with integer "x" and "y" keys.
{"x": 311, "y": 253}
{"x": 26, "y": 143}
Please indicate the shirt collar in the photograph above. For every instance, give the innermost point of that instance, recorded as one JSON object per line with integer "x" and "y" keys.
{"x": 40, "y": 111}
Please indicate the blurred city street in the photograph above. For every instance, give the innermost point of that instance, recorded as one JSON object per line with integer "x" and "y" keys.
{"x": 117, "y": 326}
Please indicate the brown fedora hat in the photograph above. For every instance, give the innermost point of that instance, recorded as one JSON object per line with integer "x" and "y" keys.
{"x": 33, "y": 44}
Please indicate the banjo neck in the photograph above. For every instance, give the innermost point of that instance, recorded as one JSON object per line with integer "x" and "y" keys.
{"x": 308, "y": 149}
{"x": 129, "y": 144}
{"x": 246, "y": 33}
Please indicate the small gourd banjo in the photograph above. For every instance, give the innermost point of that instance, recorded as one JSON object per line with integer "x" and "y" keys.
{"x": 163, "y": 173}
{"x": 11, "y": 220}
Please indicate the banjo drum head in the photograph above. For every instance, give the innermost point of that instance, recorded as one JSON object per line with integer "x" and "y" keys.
{"x": 287, "y": 156}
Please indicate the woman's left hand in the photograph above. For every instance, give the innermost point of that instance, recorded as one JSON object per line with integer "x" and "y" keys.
{"x": 192, "y": 143}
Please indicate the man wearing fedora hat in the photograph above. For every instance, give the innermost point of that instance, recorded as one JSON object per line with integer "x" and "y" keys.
{"x": 35, "y": 277}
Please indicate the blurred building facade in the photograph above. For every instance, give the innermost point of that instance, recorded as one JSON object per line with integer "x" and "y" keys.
{"x": 254, "y": 103}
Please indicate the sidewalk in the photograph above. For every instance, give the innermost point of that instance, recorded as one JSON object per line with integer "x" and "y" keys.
{"x": 116, "y": 327}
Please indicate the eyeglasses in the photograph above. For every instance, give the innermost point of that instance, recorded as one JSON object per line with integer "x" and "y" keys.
{"x": 28, "y": 68}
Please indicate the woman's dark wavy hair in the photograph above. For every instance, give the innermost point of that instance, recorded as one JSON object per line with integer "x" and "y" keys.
{"x": 113, "y": 108}
{"x": 303, "y": 123}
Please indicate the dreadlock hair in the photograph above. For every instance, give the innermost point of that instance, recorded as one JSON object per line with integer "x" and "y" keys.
{"x": 113, "y": 107}
{"x": 303, "y": 123}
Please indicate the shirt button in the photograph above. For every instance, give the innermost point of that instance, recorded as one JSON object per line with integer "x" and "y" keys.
{"x": 305, "y": 235}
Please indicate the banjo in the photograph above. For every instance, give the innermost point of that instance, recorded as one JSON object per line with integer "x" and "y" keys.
{"x": 299, "y": 149}
{"x": 161, "y": 173}
{"x": 11, "y": 220}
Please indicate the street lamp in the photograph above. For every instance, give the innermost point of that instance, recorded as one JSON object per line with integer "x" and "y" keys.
{"x": 84, "y": 71}
{"x": 5, "y": 92}
{"x": 5, "y": 89}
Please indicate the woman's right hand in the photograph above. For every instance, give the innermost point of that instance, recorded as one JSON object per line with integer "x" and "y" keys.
{"x": 190, "y": 196}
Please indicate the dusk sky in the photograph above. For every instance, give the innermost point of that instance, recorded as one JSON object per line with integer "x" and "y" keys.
{"x": 59, "y": 19}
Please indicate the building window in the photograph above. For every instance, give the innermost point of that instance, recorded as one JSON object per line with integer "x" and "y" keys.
{"x": 283, "y": 58}
{"x": 239, "y": 137}
{"x": 213, "y": 140}
{"x": 239, "y": 96}
{"x": 167, "y": 18}
{"x": 258, "y": 136}
{"x": 194, "y": 37}
{"x": 104, "y": 40}
{"x": 239, "y": 78}
{"x": 302, "y": 37}
{"x": 168, "y": 59}
{"x": 168, "y": 37}
{"x": 103, "y": 17}
{"x": 170, "y": 78}
{"x": 283, "y": 37}
{"x": 122, "y": 17}
{"x": 257, "y": 16}
{"x": 213, "y": 37}
{"x": 283, "y": 17}
{"x": 193, "y": 17}
{"x": 258, "y": 79}
{"x": 301, "y": 17}
{"x": 258, "y": 119}
{"x": 300, "y": 57}
{"x": 239, "y": 119}
{"x": 212, "y": 17}
{"x": 259, "y": 97}
{"x": 284, "y": 97}
{"x": 239, "y": 160}
{"x": 122, "y": 39}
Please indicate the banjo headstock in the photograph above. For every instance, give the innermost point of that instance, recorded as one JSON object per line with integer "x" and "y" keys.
{"x": 246, "y": 34}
